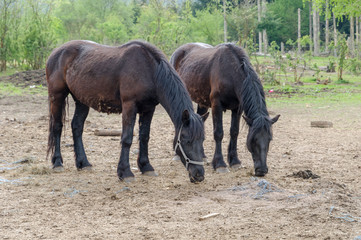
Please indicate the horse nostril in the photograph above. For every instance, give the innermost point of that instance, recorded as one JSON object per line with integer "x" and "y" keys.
{"x": 261, "y": 172}
{"x": 200, "y": 178}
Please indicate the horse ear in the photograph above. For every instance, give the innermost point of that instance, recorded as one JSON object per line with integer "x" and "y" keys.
{"x": 248, "y": 120}
{"x": 275, "y": 119}
{"x": 205, "y": 116}
{"x": 185, "y": 117}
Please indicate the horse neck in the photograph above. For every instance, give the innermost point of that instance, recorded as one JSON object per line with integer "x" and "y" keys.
{"x": 172, "y": 94}
{"x": 253, "y": 98}
{"x": 175, "y": 113}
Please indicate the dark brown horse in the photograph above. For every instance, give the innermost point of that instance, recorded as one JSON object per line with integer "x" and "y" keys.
{"x": 222, "y": 78}
{"x": 129, "y": 79}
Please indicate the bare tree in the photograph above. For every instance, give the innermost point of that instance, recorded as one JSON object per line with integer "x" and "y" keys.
{"x": 316, "y": 33}
{"x": 224, "y": 21}
{"x": 357, "y": 32}
{"x": 259, "y": 20}
{"x": 265, "y": 39}
{"x": 310, "y": 23}
{"x": 327, "y": 37}
{"x": 299, "y": 33}
{"x": 352, "y": 35}
{"x": 4, "y": 27}
{"x": 334, "y": 35}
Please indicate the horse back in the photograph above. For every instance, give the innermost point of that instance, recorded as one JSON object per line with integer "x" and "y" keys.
{"x": 210, "y": 72}
{"x": 103, "y": 77}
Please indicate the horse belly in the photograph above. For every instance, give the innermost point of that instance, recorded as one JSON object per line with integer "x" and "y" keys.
{"x": 98, "y": 98}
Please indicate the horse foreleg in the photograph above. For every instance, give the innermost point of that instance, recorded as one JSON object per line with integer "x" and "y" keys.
{"x": 77, "y": 125}
{"x": 201, "y": 111}
{"x": 128, "y": 118}
{"x": 145, "y": 119}
{"x": 233, "y": 160}
{"x": 218, "y": 163}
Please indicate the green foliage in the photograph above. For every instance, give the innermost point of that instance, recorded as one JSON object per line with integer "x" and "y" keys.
{"x": 30, "y": 29}
{"x": 38, "y": 37}
{"x": 207, "y": 26}
{"x": 242, "y": 22}
{"x": 281, "y": 20}
{"x": 342, "y": 44}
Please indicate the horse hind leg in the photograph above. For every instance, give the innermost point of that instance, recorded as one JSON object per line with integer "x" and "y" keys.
{"x": 145, "y": 167}
{"x": 232, "y": 157}
{"x": 77, "y": 125}
{"x": 56, "y": 118}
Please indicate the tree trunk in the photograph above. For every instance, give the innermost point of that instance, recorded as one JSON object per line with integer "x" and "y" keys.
{"x": 334, "y": 35}
{"x": 3, "y": 46}
{"x": 259, "y": 20}
{"x": 310, "y": 25}
{"x": 265, "y": 41}
{"x": 327, "y": 28}
{"x": 316, "y": 46}
{"x": 224, "y": 21}
{"x": 352, "y": 36}
{"x": 299, "y": 33}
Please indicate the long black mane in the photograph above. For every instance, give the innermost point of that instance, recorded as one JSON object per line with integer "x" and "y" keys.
{"x": 252, "y": 95}
{"x": 172, "y": 93}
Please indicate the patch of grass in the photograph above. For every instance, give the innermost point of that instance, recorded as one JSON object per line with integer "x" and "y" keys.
{"x": 8, "y": 72}
{"x": 9, "y": 89}
{"x": 315, "y": 95}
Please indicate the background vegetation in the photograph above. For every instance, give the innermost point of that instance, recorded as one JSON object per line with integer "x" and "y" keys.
{"x": 31, "y": 29}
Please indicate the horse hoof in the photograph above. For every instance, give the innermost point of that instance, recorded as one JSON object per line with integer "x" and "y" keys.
{"x": 176, "y": 158}
{"x": 222, "y": 170}
{"x": 236, "y": 166}
{"x": 58, "y": 169}
{"x": 88, "y": 168}
{"x": 150, "y": 174}
{"x": 128, "y": 179}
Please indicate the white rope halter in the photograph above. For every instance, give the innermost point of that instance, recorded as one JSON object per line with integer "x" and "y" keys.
{"x": 187, "y": 160}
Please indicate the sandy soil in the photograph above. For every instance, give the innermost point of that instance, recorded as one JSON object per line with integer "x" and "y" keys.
{"x": 36, "y": 203}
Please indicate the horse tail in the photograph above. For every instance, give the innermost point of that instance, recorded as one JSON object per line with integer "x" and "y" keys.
{"x": 251, "y": 93}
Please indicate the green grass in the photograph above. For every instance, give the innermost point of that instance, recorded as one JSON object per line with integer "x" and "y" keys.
{"x": 314, "y": 95}
{"x": 8, "y": 72}
{"x": 9, "y": 89}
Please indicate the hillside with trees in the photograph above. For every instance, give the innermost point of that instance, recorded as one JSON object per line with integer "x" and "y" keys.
{"x": 31, "y": 29}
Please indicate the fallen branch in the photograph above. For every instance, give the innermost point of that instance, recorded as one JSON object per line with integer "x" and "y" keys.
{"x": 321, "y": 124}
{"x": 107, "y": 132}
{"x": 208, "y": 216}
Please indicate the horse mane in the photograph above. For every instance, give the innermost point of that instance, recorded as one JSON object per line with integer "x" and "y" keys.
{"x": 171, "y": 91}
{"x": 252, "y": 94}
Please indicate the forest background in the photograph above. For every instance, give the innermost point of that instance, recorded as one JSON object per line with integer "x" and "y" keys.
{"x": 289, "y": 32}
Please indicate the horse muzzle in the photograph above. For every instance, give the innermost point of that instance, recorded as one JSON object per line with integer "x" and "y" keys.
{"x": 261, "y": 172}
{"x": 196, "y": 174}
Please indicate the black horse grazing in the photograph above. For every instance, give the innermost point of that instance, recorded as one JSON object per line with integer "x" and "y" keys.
{"x": 129, "y": 79}
{"x": 222, "y": 78}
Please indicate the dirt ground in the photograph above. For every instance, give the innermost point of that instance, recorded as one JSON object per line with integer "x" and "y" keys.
{"x": 36, "y": 203}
